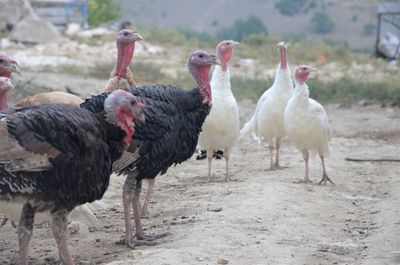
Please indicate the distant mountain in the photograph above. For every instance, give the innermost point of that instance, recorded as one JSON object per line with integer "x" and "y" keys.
{"x": 355, "y": 21}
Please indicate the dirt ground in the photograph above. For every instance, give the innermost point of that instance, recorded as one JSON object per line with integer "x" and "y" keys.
{"x": 262, "y": 217}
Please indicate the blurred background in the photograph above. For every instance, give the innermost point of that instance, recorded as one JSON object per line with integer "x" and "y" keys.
{"x": 69, "y": 44}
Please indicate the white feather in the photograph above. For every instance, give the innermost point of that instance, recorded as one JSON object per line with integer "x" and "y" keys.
{"x": 12, "y": 210}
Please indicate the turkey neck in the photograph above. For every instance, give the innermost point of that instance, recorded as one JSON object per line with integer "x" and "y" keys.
{"x": 3, "y": 100}
{"x": 283, "y": 57}
{"x": 5, "y": 74}
{"x": 220, "y": 79}
{"x": 224, "y": 58}
{"x": 301, "y": 92}
{"x": 125, "y": 55}
{"x": 201, "y": 74}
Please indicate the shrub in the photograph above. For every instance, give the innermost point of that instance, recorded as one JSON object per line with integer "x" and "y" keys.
{"x": 322, "y": 22}
{"x": 243, "y": 28}
{"x": 290, "y": 7}
{"x": 369, "y": 29}
{"x": 101, "y": 11}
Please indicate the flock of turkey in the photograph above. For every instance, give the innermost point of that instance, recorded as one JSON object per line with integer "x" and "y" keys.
{"x": 57, "y": 152}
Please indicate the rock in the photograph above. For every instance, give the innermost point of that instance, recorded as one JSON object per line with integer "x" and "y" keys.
{"x": 73, "y": 29}
{"x": 222, "y": 260}
{"x": 34, "y": 30}
{"x": 95, "y": 33}
{"x": 12, "y": 11}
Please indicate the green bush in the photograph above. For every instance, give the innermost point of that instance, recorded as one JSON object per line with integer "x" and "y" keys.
{"x": 243, "y": 28}
{"x": 101, "y": 11}
{"x": 347, "y": 90}
{"x": 322, "y": 22}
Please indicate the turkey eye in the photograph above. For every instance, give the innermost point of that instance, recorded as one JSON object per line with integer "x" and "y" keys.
{"x": 125, "y": 33}
{"x": 1, "y": 61}
{"x": 133, "y": 103}
{"x": 201, "y": 56}
{"x": 228, "y": 43}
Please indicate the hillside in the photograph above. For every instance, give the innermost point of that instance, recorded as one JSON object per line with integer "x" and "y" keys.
{"x": 350, "y": 17}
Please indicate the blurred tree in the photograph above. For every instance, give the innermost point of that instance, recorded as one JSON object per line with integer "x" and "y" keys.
{"x": 290, "y": 7}
{"x": 101, "y": 11}
{"x": 369, "y": 29}
{"x": 322, "y": 22}
{"x": 243, "y": 28}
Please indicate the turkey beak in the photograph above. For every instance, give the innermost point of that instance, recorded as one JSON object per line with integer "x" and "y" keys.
{"x": 214, "y": 60}
{"x": 14, "y": 68}
{"x": 234, "y": 43}
{"x": 312, "y": 69}
{"x": 137, "y": 36}
{"x": 139, "y": 115}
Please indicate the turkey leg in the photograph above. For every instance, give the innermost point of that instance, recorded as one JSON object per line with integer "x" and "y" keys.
{"x": 209, "y": 158}
{"x": 25, "y": 227}
{"x": 145, "y": 209}
{"x": 127, "y": 200}
{"x": 325, "y": 177}
{"x": 278, "y": 146}
{"x": 59, "y": 228}
{"x": 306, "y": 156}
{"x": 138, "y": 222}
{"x": 226, "y": 155}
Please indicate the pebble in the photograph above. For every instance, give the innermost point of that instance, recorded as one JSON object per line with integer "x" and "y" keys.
{"x": 214, "y": 209}
{"x": 222, "y": 260}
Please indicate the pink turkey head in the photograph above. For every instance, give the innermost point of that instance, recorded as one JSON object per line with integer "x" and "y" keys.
{"x": 8, "y": 66}
{"x": 126, "y": 39}
{"x": 122, "y": 108}
{"x": 225, "y": 52}
{"x": 199, "y": 65}
{"x": 302, "y": 72}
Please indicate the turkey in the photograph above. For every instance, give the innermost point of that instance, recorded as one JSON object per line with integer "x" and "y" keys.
{"x": 55, "y": 157}
{"x": 122, "y": 77}
{"x": 221, "y": 128}
{"x": 306, "y": 123}
{"x": 174, "y": 118}
{"x": 7, "y": 67}
{"x": 54, "y": 97}
{"x": 267, "y": 122}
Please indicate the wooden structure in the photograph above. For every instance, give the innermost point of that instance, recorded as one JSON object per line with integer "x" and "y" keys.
{"x": 62, "y": 12}
{"x": 388, "y": 22}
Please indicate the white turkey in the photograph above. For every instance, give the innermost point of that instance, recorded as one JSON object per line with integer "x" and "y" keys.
{"x": 266, "y": 125}
{"x": 221, "y": 127}
{"x": 307, "y": 124}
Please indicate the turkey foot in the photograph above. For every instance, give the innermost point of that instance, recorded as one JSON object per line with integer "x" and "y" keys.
{"x": 133, "y": 243}
{"x": 325, "y": 179}
{"x": 147, "y": 238}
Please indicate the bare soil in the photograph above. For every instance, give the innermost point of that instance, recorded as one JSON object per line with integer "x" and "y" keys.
{"x": 262, "y": 217}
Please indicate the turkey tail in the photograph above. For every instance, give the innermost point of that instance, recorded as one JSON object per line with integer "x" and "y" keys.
{"x": 249, "y": 127}
{"x": 87, "y": 211}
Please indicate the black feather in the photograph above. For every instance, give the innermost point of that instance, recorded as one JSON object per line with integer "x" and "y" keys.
{"x": 174, "y": 118}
